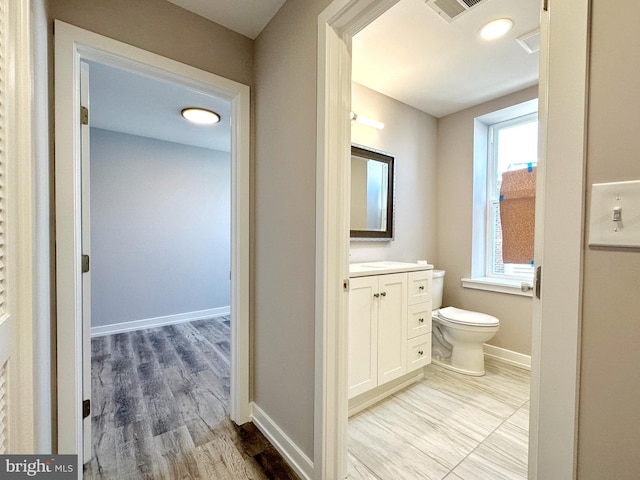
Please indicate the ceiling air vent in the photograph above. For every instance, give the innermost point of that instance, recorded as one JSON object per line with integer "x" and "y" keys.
{"x": 530, "y": 41}
{"x": 449, "y": 10}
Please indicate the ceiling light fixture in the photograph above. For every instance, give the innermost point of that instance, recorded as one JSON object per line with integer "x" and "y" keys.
{"x": 496, "y": 28}
{"x": 201, "y": 116}
{"x": 355, "y": 118}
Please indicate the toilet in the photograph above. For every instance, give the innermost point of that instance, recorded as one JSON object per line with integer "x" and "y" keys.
{"x": 458, "y": 335}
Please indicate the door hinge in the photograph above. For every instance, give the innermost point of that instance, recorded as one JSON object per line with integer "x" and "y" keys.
{"x": 545, "y": 5}
{"x": 84, "y": 115}
{"x": 345, "y": 285}
{"x": 85, "y": 263}
{"x": 86, "y": 408}
{"x": 538, "y": 280}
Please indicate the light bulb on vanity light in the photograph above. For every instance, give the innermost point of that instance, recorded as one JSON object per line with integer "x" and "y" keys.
{"x": 355, "y": 118}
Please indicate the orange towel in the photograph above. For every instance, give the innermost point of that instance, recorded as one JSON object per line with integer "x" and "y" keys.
{"x": 517, "y": 215}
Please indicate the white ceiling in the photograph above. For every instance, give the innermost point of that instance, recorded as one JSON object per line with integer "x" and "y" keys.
{"x": 132, "y": 103}
{"x": 416, "y": 57}
{"x": 248, "y": 17}
{"x": 408, "y": 53}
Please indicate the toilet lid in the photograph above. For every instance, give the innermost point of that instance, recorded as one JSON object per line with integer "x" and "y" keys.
{"x": 466, "y": 317}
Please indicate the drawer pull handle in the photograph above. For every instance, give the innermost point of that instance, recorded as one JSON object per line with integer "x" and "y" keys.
{"x": 420, "y": 352}
{"x": 421, "y": 320}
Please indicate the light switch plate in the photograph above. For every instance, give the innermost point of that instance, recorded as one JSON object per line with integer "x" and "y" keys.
{"x": 622, "y": 198}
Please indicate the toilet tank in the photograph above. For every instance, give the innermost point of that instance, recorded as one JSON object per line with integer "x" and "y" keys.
{"x": 436, "y": 288}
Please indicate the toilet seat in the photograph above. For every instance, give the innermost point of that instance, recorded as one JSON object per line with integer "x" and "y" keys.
{"x": 466, "y": 317}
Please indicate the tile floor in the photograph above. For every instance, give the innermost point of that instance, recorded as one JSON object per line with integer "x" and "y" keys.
{"x": 447, "y": 426}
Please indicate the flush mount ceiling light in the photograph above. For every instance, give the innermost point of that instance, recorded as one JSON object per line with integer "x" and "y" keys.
{"x": 496, "y": 28}
{"x": 355, "y": 118}
{"x": 201, "y": 116}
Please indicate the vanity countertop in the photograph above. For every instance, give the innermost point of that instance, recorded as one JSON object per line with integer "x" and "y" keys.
{"x": 384, "y": 267}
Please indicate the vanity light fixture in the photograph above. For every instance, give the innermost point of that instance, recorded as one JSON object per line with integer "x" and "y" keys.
{"x": 496, "y": 28}
{"x": 355, "y": 118}
{"x": 201, "y": 116}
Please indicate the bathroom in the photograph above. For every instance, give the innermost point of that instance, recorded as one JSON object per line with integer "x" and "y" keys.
{"x": 433, "y": 222}
{"x": 434, "y": 203}
{"x": 433, "y": 217}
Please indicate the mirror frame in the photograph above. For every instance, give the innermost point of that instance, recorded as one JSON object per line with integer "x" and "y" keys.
{"x": 384, "y": 235}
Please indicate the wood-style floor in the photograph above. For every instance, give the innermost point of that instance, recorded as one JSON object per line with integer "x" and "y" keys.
{"x": 160, "y": 409}
{"x": 447, "y": 426}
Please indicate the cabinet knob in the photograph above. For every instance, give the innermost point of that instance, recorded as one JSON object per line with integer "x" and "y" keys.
{"x": 384, "y": 294}
{"x": 420, "y": 352}
{"x": 421, "y": 287}
{"x": 376, "y": 295}
{"x": 421, "y": 320}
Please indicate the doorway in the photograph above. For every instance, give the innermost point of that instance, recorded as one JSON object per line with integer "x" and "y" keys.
{"x": 425, "y": 146}
{"x": 72, "y": 45}
{"x": 156, "y": 227}
{"x": 554, "y": 390}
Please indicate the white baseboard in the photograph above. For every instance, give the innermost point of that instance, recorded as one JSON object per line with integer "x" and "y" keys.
{"x": 365, "y": 400}
{"x": 158, "y": 321}
{"x": 295, "y": 457}
{"x": 507, "y": 356}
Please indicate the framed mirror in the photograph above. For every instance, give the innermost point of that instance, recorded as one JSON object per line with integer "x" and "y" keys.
{"x": 372, "y": 195}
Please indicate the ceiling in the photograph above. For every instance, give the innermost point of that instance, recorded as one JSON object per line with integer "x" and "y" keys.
{"x": 409, "y": 54}
{"x": 248, "y": 17}
{"x": 136, "y": 104}
{"x": 418, "y": 58}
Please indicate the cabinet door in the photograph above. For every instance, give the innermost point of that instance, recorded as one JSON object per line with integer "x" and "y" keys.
{"x": 419, "y": 286}
{"x": 363, "y": 335}
{"x": 392, "y": 326}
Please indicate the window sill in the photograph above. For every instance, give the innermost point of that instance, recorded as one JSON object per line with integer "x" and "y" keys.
{"x": 511, "y": 287}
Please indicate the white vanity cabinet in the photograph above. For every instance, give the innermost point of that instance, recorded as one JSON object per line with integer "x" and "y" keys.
{"x": 389, "y": 327}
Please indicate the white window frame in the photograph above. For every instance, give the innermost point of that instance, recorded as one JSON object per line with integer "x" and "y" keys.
{"x": 493, "y": 200}
{"x": 481, "y": 171}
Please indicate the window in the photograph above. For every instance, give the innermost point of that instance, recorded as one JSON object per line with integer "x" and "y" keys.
{"x": 513, "y": 146}
{"x": 505, "y": 145}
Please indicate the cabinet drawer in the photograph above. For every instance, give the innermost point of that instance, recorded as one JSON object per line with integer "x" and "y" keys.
{"x": 419, "y": 287}
{"x": 419, "y": 319}
{"x": 418, "y": 352}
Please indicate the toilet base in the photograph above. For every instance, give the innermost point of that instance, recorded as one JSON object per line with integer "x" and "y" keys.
{"x": 445, "y": 363}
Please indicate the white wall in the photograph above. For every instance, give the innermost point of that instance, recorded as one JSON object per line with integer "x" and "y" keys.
{"x": 410, "y": 136}
{"x": 160, "y": 228}
{"x": 455, "y": 214}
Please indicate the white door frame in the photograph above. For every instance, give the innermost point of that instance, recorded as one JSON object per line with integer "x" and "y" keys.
{"x": 18, "y": 309}
{"x": 553, "y": 430}
{"x": 71, "y": 45}
{"x": 559, "y": 249}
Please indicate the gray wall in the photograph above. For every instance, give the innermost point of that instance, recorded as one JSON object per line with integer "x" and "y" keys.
{"x": 166, "y": 29}
{"x": 410, "y": 136}
{"x": 434, "y": 185}
{"x": 609, "y": 419}
{"x": 285, "y": 189}
{"x": 455, "y": 213}
{"x": 160, "y": 228}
